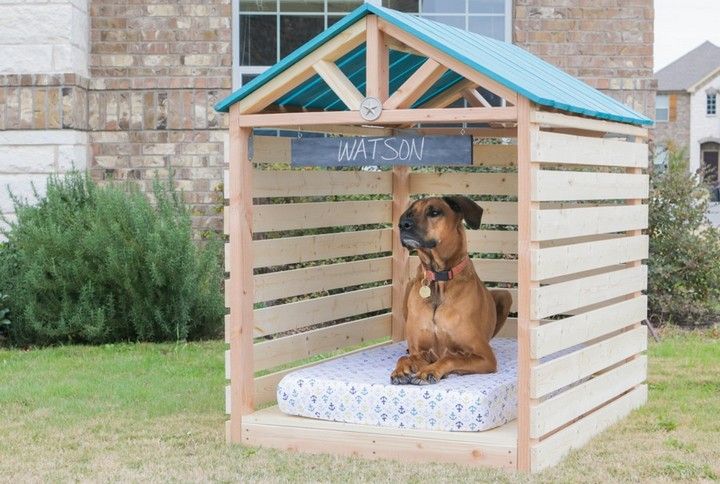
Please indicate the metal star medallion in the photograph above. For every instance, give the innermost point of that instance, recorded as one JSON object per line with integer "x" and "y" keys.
{"x": 370, "y": 108}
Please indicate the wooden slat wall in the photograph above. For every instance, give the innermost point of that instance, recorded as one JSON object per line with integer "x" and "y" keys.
{"x": 586, "y": 270}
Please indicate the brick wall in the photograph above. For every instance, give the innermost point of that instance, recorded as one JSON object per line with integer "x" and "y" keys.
{"x": 606, "y": 43}
{"x": 157, "y": 68}
{"x": 677, "y": 130}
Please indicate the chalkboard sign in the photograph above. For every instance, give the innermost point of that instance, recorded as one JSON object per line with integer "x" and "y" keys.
{"x": 369, "y": 151}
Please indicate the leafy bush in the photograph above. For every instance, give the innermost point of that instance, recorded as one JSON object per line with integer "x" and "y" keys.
{"x": 96, "y": 264}
{"x": 684, "y": 264}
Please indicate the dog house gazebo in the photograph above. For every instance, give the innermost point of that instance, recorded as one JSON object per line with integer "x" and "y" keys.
{"x": 315, "y": 264}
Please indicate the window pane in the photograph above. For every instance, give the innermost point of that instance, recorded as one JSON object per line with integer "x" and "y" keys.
{"x": 302, "y": 5}
{"x": 454, "y": 20}
{"x": 489, "y": 26}
{"x": 295, "y": 30}
{"x": 486, "y": 6}
{"x": 258, "y": 5}
{"x": 257, "y": 40}
{"x": 661, "y": 114}
{"x": 661, "y": 101}
{"x": 443, "y": 6}
{"x": 343, "y": 5}
{"x": 410, "y": 6}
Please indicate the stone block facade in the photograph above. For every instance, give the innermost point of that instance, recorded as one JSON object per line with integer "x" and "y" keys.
{"x": 136, "y": 80}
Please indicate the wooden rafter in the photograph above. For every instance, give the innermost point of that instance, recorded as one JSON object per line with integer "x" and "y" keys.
{"x": 475, "y": 99}
{"x": 398, "y": 46}
{"x": 448, "y": 97}
{"x": 416, "y": 85}
{"x": 377, "y": 61}
{"x": 303, "y": 70}
{"x": 449, "y": 62}
{"x": 393, "y": 116}
{"x": 339, "y": 83}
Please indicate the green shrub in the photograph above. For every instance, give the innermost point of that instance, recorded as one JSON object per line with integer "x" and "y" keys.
{"x": 96, "y": 264}
{"x": 684, "y": 263}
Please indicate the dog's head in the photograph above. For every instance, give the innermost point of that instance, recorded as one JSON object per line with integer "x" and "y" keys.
{"x": 432, "y": 222}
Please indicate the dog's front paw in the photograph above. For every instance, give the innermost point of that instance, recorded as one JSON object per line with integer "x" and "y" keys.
{"x": 425, "y": 378}
{"x": 401, "y": 378}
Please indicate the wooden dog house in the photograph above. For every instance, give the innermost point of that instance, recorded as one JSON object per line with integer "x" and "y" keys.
{"x": 559, "y": 167}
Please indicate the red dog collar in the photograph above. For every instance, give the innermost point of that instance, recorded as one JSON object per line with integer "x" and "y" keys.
{"x": 445, "y": 275}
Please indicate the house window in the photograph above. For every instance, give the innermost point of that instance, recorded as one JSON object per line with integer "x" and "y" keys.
{"x": 711, "y": 104}
{"x": 662, "y": 107}
{"x": 265, "y": 31}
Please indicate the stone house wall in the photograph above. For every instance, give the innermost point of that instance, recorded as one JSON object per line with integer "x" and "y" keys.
{"x": 675, "y": 130}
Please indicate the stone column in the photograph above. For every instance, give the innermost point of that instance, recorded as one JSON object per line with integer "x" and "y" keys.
{"x": 44, "y": 59}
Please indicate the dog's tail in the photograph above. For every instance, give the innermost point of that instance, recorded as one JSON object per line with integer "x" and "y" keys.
{"x": 503, "y": 302}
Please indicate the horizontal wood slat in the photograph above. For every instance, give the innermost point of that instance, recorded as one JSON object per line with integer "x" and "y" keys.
{"x": 266, "y": 386}
{"x": 295, "y": 347}
{"x": 495, "y": 155}
{"x": 271, "y": 149}
{"x": 559, "y": 120}
{"x": 578, "y": 293}
{"x": 499, "y": 213}
{"x": 301, "y": 183}
{"x": 464, "y": 183}
{"x": 557, "y": 148}
{"x": 575, "y": 222}
{"x": 489, "y": 270}
{"x": 559, "y": 334}
{"x": 552, "y": 185}
{"x": 271, "y": 428}
{"x": 290, "y": 216}
{"x": 550, "y": 451}
{"x": 492, "y": 241}
{"x": 278, "y": 285}
{"x": 572, "y": 367}
{"x": 569, "y": 405}
{"x": 285, "y": 317}
{"x": 307, "y": 248}
{"x": 570, "y": 259}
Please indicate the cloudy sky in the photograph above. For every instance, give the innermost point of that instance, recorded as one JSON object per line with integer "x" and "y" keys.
{"x": 681, "y": 26}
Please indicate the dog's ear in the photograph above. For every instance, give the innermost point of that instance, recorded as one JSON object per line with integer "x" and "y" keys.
{"x": 471, "y": 211}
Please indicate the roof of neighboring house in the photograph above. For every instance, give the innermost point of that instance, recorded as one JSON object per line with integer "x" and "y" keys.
{"x": 689, "y": 70}
{"x": 503, "y": 62}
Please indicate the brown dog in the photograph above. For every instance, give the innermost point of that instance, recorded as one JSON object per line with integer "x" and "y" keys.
{"x": 450, "y": 314}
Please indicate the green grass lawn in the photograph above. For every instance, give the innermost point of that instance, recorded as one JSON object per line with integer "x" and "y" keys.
{"x": 155, "y": 413}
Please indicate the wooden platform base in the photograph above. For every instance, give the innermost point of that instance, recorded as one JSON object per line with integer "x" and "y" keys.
{"x": 271, "y": 428}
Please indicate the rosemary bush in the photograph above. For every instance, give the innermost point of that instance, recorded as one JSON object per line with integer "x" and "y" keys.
{"x": 97, "y": 264}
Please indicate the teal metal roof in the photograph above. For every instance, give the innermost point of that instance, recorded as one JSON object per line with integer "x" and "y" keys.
{"x": 505, "y": 63}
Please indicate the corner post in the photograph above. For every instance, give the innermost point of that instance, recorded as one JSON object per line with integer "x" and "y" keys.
{"x": 526, "y": 132}
{"x": 400, "y": 255}
{"x": 239, "y": 288}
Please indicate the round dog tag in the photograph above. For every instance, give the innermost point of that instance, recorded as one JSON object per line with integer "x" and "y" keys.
{"x": 424, "y": 292}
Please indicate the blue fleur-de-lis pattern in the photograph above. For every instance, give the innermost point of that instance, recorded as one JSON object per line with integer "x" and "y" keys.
{"x": 357, "y": 389}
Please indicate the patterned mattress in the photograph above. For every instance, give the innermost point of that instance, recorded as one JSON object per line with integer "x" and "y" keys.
{"x": 357, "y": 389}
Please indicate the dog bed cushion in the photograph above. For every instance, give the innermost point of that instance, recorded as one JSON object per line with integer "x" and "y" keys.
{"x": 357, "y": 389}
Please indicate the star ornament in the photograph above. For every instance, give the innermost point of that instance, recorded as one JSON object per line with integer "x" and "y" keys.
{"x": 370, "y": 108}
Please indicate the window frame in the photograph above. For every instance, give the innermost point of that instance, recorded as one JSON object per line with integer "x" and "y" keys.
{"x": 666, "y": 108}
{"x": 238, "y": 71}
{"x": 711, "y": 100}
